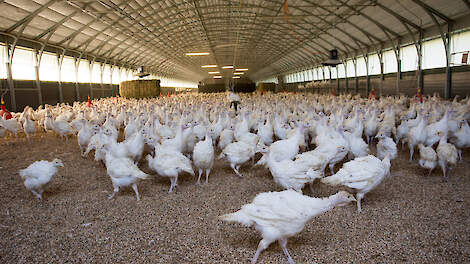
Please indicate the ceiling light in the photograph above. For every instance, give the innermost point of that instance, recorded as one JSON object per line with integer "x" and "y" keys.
{"x": 236, "y": 77}
{"x": 225, "y": 45}
{"x": 197, "y": 53}
{"x": 217, "y": 77}
{"x": 227, "y": 67}
{"x": 238, "y": 73}
{"x": 209, "y": 66}
{"x": 216, "y": 72}
{"x": 241, "y": 69}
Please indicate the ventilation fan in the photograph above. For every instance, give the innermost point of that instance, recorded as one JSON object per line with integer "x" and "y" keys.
{"x": 141, "y": 72}
{"x": 333, "y": 60}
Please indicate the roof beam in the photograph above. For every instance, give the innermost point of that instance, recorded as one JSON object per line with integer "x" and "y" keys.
{"x": 28, "y": 18}
{"x": 432, "y": 10}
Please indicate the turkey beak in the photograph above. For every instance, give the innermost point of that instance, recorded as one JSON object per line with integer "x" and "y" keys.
{"x": 343, "y": 204}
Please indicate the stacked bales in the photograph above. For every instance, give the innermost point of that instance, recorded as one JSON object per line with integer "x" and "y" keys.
{"x": 242, "y": 87}
{"x": 266, "y": 87}
{"x": 140, "y": 89}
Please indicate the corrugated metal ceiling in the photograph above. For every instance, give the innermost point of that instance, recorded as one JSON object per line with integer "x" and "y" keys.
{"x": 268, "y": 36}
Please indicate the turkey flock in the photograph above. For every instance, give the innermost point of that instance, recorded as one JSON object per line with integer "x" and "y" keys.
{"x": 300, "y": 138}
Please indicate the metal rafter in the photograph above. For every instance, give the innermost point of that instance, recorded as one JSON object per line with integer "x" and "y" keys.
{"x": 149, "y": 32}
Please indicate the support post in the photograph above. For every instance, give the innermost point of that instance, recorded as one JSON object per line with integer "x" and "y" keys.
{"x": 37, "y": 63}
{"x": 60, "y": 59}
{"x": 397, "y": 55}
{"x": 77, "y": 86}
{"x": 90, "y": 68}
{"x": 420, "y": 76}
{"x": 111, "y": 80}
{"x": 356, "y": 79}
{"x": 9, "y": 52}
{"x": 330, "y": 82}
{"x": 448, "y": 87}
{"x": 337, "y": 81}
{"x": 101, "y": 78}
{"x": 382, "y": 76}
{"x": 366, "y": 59}
{"x": 346, "y": 82}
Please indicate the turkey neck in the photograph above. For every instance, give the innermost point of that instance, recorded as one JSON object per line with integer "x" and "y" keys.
{"x": 466, "y": 127}
{"x": 326, "y": 204}
{"x": 386, "y": 162}
{"x": 443, "y": 139}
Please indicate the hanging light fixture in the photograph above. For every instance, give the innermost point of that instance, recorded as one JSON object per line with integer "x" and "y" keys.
{"x": 333, "y": 60}
{"x": 197, "y": 54}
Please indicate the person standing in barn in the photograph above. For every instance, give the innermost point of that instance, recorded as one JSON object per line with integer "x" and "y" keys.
{"x": 234, "y": 100}
{"x": 233, "y": 97}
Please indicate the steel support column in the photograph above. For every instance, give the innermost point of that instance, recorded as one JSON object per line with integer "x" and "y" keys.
{"x": 111, "y": 80}
{"x": 366, "y": 59}
{"x": 60, "y": 59}
{"x": 101, "y": 78}
{"x": 37, "y": 63}
{"x": 9, "y": 52}
{"x": 330, "y": 82}
{"x": 337, "y": 81}
{"x": 382, "y": 76}
{"x": 90, "y": 69}
{"x": 397, "y": 55}
{"x": 346, "y": 81}
{"x": 419, "y": 72}
{"x": 77, "y": 86}
{"x": 356, "y": 79}
{"x": 448, "y": 87}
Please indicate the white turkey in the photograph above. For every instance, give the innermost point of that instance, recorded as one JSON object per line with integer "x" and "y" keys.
{"x": 83, "y": 137}
{"x": 281, "y": 215}
{"x": 370, "y": 129}
{"x": 432, "y": 129}
{"x": 461, "y": 138}
{"x": 357, "y": 146}
{"x": 176, "y": 143}
{"x": 169, "y": 163}
{"x": 135, "y": 146}
{"x": 401, "y": 133}
{"x": 266, "y": 132}
{"x": 203, "y": 157}
{"x": 362, "y": 174}
{"x": 62, "y": 128}
{"x": 285, "y": 149}
{"x": 292, "y": 174}
{"x": 226, "y": 137}
{"x": 238, "y": 153}
{"x": 38, "y": 174}
{"x": 416, "y": 136}
{"x": 11, "y": 125}
{"x": 131, "y": 128}
{"x": 29, "y": 127}
{"x": 427, "y": 158}
{"x": 386, "y": 146}
{"x": 123, "y": 172}
{"x": 47, "y": 124}
{"x": 446, "y": 154}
